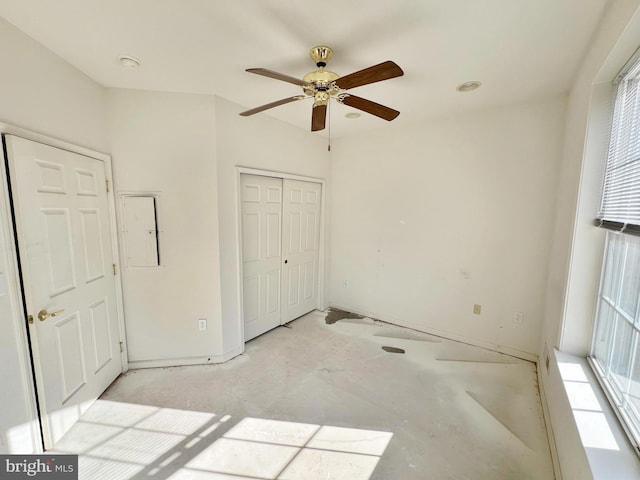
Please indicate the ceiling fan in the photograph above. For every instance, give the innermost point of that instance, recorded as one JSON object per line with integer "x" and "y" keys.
{"x": 323, "y": 85}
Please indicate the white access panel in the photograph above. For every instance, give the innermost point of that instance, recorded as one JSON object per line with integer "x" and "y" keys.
{"x": 140, "y": 232}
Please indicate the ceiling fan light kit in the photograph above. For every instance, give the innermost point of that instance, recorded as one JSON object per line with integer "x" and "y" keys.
{"x": 323, "y": 85}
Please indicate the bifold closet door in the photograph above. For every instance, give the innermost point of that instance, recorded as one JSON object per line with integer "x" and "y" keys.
{"x": 300, "y": 248}
{"x": 261, "y": 252}
{"x": 280, "y": 247}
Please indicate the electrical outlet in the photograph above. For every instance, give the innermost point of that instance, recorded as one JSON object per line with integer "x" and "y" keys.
{"x": 518, "y": 317}
{"x": 477, "y": 308}
{"x": 202, "y": 324}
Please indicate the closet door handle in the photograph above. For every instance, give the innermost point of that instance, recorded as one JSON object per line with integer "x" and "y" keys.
{"x": 286, "y": 261}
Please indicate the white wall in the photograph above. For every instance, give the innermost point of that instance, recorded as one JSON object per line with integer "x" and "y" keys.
{"x": 430, "y": 219}
{"x": 39, "y": 92}
{"x": 575, "y": 256}
{"x": 258, "y": 142}
{"x": 576, "y": 253}
{"x": 166, "y": 143}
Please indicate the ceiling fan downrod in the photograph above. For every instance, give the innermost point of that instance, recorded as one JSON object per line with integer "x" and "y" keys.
{"x": 321, "y": 55}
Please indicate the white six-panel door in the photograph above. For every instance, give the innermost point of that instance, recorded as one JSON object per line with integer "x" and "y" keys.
{"x": 280, "y": 250}
{"x": 261, "y": 252}
{"x": 64, "y": 239}
{"x": 300, "y": 247}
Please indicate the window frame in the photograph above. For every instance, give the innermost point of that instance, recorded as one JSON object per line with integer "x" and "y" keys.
{"x": 615, "y": 393}
{"x": 614, "y": 355}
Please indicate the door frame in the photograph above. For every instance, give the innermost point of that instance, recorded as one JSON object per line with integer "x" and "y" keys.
{"x": 320, "y": 304}
{"x": 15, "y": 290}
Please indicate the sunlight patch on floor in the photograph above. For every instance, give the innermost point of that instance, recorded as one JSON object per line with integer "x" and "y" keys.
{"x": 122, "y": 440}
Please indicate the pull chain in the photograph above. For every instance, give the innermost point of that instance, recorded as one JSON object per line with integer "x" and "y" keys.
{"x": 329, "y": 129}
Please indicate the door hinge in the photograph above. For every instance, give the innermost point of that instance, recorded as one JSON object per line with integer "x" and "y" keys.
{"x": 114, "y": 269}
{"x": 108, "y": 189}
{"x": 121, "y": 347}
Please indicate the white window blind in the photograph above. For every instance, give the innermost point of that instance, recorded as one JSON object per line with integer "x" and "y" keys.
{"x": 620, "y": 204}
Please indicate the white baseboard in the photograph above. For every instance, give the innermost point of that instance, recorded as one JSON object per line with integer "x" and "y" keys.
{"x": 549, "y": 427}
{"x": 178, "y": 362}
{"x": 531, "y": 357}
{"x": 232, "y": 353}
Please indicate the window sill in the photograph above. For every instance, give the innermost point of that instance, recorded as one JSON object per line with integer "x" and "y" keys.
{"x": 608, "y": 449}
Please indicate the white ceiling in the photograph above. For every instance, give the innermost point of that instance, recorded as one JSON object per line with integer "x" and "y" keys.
{"x": 518, "y": 49}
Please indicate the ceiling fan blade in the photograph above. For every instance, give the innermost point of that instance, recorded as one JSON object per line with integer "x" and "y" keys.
{"x": 370, "y": 107}
{"x": 377, "y": 73}
{"x": 318, "y": 118}
{"x": 278, "y": 76}
{"x": 271, "y": 105}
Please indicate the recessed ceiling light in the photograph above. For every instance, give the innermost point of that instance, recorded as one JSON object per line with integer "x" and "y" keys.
{"x": 129, "y": 62}
{"x": 468, "y": 86}
{"x": 352, "y": 115}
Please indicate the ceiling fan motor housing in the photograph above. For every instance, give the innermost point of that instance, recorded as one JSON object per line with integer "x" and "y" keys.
{"x": 320, "y": 85}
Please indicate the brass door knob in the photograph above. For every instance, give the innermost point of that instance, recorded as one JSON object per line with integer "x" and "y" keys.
{"x": 43, "y": 314}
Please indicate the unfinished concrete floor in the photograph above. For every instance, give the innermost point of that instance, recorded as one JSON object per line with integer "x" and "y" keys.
{"x": 321, "y": 402}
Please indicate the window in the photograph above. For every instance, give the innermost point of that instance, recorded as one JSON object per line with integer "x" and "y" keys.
{"x": 616, "y": 344}
{"x": 615, "y": 351}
